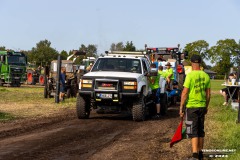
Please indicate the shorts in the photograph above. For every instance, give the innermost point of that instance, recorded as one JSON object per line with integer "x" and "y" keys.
{"x": 156, "y": 95}
{"x": 62, "y": 88}
{"x": 195, "y": 122}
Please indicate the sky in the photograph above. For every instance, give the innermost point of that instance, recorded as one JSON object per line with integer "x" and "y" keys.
{"x": 158, "y": 23}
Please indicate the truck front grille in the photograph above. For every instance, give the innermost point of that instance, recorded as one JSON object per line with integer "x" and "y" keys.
{"x": 106, "y": 85}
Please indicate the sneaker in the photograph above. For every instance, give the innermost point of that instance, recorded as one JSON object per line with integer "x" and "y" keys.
{"x": 157, "y": 116}
{"x": 225, "y": 103}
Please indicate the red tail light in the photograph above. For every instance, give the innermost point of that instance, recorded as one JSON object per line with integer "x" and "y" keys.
{"x": 180, "y": 69}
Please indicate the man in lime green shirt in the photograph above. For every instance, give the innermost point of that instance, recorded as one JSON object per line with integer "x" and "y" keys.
{"x": 154, "y": 85}
{"x": 169, "y": 75}
{"x": 196, "y": 97}
{"x": 161, "y": 72}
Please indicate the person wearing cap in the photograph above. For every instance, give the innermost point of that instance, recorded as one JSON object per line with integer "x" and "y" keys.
{"x": 175, "y": 92}
{"x": 196, "y": 97}
{"x": 169, "y": 75}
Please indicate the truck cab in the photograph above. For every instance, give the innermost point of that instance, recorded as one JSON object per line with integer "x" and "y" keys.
{"x": 12, "y": 68}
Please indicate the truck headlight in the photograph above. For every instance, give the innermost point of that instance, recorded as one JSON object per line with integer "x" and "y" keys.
{"x": 130, "y": 85}
{"x": 86, "y": 83}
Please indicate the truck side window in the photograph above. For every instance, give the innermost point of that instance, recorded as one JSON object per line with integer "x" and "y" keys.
{"x": 148, "y": 65}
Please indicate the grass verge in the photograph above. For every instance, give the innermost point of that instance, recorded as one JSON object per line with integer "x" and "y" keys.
{"x": 222, "y": 132}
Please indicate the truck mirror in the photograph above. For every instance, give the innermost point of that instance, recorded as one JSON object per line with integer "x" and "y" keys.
{"x": 3, "y": 59}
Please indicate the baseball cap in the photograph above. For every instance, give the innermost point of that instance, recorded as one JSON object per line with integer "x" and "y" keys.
{"x": 196, "y": 59}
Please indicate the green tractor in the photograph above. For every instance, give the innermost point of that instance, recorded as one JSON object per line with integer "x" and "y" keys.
{"x": 12, "y": 68}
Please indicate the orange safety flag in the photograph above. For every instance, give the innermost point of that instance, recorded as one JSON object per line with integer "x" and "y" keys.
{"x": 178, "y": 136}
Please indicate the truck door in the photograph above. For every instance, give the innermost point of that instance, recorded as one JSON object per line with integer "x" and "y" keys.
{"x": 146, "y": 69}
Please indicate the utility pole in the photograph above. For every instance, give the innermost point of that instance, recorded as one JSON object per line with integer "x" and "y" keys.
{"x": 59, "y": 64}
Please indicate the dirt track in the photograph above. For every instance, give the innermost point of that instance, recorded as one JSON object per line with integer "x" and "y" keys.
{"x": 100, "y": 137}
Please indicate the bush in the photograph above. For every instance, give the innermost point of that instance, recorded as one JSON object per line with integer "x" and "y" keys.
{"x": 219, "y": 76}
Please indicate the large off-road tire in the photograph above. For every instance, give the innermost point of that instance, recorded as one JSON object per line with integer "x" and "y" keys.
{"x": 163, "y": 103}
{"x": 83, "y": 108}
{"x": 74, "y": 88}
{"x": 41, "y": 80}
{"x": 30, "y": 77}
{"x": 46, "y": 94}
{"x": 138, "y": 110}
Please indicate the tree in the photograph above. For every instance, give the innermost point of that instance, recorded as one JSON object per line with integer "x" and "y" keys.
{"x": 200, "y": 47}
{"x": 91, "y": 51}
{"x": 43, "y": 53}
{"x": 2, "y": 48}
{"x": 117, "y": 47}
{"x": 224, "y": 54}
{"x": 129, "y": 46}
{"x": 64, "y": 55}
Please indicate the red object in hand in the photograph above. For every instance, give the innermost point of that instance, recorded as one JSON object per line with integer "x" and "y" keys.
{"x": 178, "y": 134}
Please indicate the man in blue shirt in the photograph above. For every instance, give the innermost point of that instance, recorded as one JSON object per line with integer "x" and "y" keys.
{"x": 62, "y": 83}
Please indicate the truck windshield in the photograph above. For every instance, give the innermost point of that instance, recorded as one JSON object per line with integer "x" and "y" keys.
{"x": 16, "y": 60}
{"x": 118, "y": 64}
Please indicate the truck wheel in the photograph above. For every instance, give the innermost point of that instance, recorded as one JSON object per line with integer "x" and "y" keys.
{"x": 83, "y": 108}
{"x": 68, "y": 92}
{"x": 138, "y": 110}
{"x": 41, "y": 80}
{"x": 163, "y": 103}
{"x": 30, "y": 78}
{"x": 45, "y": 92}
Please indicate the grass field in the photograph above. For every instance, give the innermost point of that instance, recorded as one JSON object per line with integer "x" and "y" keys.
{"x": 27, "y": 102}
{"x": 222, "y": 132}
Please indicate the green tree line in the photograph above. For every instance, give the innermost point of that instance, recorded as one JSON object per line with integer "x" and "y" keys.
{"x": 222, "y": 56}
